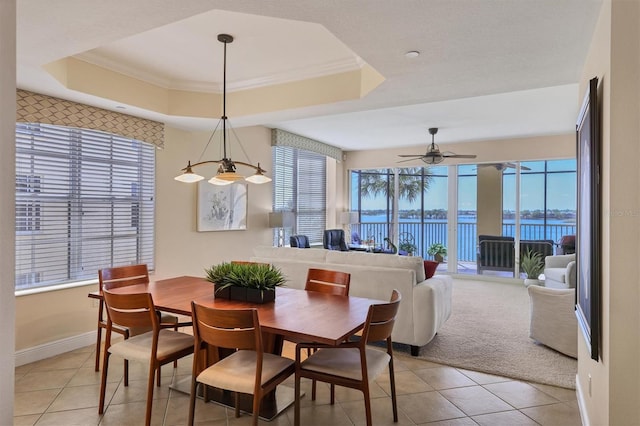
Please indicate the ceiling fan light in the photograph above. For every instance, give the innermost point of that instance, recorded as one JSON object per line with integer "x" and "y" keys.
{"x": 432, "y": 159}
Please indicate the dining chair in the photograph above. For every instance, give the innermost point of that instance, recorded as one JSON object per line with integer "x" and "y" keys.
{"x": 330, "y": 282}
{"x": 353, "y": 364}
{"x": 248, "y": 262}
{"x": 247, "y": 370}
{"x": 123, "y": 276}
{"x": 156, "y": 347}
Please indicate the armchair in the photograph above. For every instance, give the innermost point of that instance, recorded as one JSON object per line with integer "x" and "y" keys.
{"x": 333, "y": 239}
{"x": 300, "y": 241}
{"x": 560, "y": 271}
{"x": 553, "y": 321}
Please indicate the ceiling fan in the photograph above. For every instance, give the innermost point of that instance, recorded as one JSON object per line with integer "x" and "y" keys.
{"x": 433, "y": 154}
{"x": 502, "y": 166}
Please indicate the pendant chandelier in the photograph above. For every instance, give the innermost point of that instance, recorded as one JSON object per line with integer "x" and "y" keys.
{"x": 227, "y": 168}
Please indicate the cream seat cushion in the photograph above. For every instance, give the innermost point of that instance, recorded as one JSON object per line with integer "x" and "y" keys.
{"x": 139, "y": 347}
{"x": 345, "y": 362}
{"x": 237, "y": 372}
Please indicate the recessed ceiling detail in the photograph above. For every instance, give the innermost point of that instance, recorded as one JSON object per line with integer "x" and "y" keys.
{"x": 176, "y": 69}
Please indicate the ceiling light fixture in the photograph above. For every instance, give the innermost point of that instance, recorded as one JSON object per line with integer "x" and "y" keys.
{"x": 412, "y": 54}
{"x": 227, "y": 168}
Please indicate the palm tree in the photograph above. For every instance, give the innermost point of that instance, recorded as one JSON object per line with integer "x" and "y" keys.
{"x": 412, "y": 183}
{"x": 374, "y": 183}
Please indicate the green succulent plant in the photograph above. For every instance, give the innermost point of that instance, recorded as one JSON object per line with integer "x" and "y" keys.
{"x": 532, "y": 264}
{"x": 256, "y": 276}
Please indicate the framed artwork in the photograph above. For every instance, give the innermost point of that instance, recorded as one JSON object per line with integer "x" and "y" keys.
{"x": 588, "y": 242}
{"x": 221, "y": 208}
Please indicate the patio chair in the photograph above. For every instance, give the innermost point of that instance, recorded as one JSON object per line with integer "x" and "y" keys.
{"x": 495, "y": 253}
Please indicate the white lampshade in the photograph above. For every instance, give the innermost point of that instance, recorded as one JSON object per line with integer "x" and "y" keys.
{"x": 348, "y": 218}
{"x": 281, "y": 219}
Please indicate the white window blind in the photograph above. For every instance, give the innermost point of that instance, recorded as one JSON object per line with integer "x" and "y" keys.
{"x": 300, "y": 178}
{"x": 84, "y": 201}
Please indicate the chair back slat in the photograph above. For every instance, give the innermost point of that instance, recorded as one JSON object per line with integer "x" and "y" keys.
{"x": 232, "y": 329}
{"x": 122, "y": 276}
{"x": 133, "y": 310}
{"x": 381, "y": 319}
{"x": 247, "y": 262}
{"x": 326, "y": 281}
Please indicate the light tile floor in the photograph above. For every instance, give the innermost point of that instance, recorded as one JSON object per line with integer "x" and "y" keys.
{"x": 64, "y": 391}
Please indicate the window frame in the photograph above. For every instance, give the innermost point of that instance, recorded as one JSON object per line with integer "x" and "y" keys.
{"x": 90, "y": 186}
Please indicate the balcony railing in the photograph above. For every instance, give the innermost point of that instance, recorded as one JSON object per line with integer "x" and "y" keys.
{"x": 425, "y": 234}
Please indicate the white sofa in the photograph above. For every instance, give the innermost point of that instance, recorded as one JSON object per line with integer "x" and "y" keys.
{"x": 560, "y": 271}
{"x": 425, "y": 306}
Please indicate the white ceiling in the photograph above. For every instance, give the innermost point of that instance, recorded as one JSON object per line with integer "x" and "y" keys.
{"x": 488, "y": 69}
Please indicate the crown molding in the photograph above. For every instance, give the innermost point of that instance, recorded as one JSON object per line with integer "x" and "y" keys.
{"x": 299, "y": 74}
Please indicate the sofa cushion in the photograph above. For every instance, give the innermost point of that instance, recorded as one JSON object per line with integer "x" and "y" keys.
{"x": 381, "y": 260}
{"x": 430, "y": 267}
{"x": 290, "y": 253}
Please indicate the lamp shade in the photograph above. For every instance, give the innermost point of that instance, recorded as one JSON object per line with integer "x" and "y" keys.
{"x": 281, "y": 219}
{"x": 348, "y": 218}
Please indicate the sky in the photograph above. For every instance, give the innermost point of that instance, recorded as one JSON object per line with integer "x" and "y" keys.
{"x": 561, "y": 192}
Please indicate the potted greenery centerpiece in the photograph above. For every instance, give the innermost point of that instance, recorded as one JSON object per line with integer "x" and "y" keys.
{"x": 408, "y": 246}
{"x": 248, "y": 282}
{"x": 438, "y": 251}
{"x": 532, "y": 265}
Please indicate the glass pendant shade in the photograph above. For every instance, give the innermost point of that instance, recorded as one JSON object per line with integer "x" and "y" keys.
{"x": 188, "y": 176}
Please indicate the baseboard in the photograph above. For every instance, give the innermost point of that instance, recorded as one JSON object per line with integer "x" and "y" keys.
{"x": 581, "y": 403}
{"x": 47, "y": 350}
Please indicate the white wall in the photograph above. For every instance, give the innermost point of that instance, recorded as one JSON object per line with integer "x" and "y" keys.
{"x": 614, "y": 57}
{"x": 180, "y": 249}
{"x": 7, "y": 198}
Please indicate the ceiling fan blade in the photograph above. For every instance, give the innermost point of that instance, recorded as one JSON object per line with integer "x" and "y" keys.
{"x": 513, "y": 166}
{"x": 452, "y": 155}
{"x": 411, "y": 155}
{"x": 409, "y": 159}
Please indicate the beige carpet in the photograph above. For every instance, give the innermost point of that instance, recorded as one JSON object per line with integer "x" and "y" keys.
{"x": 488, "y": 331}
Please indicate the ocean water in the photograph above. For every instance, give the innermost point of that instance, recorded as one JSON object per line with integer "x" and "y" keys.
{"x": 436, "y": 231}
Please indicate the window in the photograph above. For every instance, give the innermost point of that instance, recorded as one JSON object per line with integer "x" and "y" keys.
{"x": 300, "y": 179}
{"x": 27, "y": 204}
{"x": 84, "y": 201}
{"x": 422, "y": 206}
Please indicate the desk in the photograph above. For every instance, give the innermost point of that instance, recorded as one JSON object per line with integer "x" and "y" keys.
{"x": 301, "y": 315}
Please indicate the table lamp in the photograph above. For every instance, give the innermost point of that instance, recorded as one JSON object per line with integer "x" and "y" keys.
{"x": 281, "y": 220}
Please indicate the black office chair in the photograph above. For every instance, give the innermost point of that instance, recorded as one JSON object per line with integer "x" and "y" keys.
{"x": 299, "y": 241}
{"x": 333, "y": 239}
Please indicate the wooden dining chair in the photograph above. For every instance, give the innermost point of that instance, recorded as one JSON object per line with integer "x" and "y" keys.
{"x": 156, "y": 347}
{"x": 122, "y": 276}
{"x": 248, "y": 370}
{"x": 247, "y": 262}
{"x": 329, "y": 282}
{"x": 353, "y": 364}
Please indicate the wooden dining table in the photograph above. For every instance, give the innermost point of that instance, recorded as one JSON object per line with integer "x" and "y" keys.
{"x": 297, "y": 314}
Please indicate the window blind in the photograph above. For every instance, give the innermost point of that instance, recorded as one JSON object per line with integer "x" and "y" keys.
{"x": 84, "y": 201}
{"x": 300, "y": 178}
